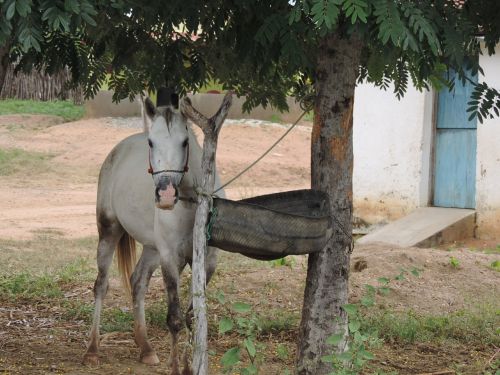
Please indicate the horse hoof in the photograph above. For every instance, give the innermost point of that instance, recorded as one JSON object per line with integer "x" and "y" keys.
{"x": 91, "y": 359}
{"x": 150, "y": 358}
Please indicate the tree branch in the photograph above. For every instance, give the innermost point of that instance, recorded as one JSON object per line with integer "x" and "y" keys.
{"x": 207, "y": 124}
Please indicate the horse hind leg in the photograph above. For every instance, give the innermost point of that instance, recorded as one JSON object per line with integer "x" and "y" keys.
{"x": 148, "y": 262}
{"x": 110, "y": 232}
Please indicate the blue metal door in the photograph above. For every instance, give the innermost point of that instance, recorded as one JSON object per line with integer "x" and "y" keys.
{"x": 455, "y": 149}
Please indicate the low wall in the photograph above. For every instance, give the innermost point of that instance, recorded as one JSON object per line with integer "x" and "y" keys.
{"x": 102, "y": 106}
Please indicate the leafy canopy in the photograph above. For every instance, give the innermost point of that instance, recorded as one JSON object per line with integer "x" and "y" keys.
{"x": 264, "y": 49}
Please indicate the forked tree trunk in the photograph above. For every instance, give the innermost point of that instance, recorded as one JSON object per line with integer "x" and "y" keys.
{"x": 211, "y": 128}
{"x": 331, "y": 171}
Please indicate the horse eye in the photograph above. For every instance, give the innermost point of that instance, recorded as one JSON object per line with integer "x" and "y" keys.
{"x": 150, "y": 143}
{"x": 185, "y": 143}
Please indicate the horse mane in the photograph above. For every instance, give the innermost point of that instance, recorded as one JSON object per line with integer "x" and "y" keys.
{"x": 166, "y": 111}
{"x": 167, "y": 100}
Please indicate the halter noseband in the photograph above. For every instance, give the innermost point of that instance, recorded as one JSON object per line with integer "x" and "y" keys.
{"x": 184, "y": 170}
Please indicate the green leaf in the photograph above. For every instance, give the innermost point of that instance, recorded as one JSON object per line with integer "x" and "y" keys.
{"x": 225, "y": 325}
{"x": 221, "y": 298}
{"x": 354, "y": 326}
{"x": 23, "y": 7}
{"x": 350, "y": 309}
{"x": 88, "y": 19}
{"x": 328, "y": 358}
{"x": 335, "y": 339}
{"x": 345, "y": 356}
{"x": 250, "y": 347}
{"x": 231, "y": 357}
{"x": 250, "y": 370}
{"x": 241, "y": 307}
{"x": 365, "y": 354}
{"x": 415, "y": 272}
{"x": 10, "y": 11}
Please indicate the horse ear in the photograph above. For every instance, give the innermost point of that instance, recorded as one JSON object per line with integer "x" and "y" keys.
{"x": 148, "y": 113}
{"x": 149, "y": 108}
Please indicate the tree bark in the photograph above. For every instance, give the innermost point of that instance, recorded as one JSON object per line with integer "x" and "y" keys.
{"x": 4, "y": 63}
{"x": 331, "y": 171}
{"x": 211, "y": 128}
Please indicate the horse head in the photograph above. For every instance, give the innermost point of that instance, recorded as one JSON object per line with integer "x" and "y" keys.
{"x": 168, "y": 140}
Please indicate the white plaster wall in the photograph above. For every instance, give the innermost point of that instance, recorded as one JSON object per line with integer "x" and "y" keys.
{"x": 488, "y": 158}
{"x": 392, "y": 141}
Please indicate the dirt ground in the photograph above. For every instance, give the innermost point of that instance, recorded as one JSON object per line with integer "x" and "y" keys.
{"x": 56, "y": 203}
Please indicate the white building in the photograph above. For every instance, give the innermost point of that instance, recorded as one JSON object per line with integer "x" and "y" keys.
{"x": 403, "y": 159}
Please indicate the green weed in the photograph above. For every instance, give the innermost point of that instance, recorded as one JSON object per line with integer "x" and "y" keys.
{"x": 276, "y": 118}
{"x": 76, "y": 310}
{"x": 156, "y": 314}
{"x": 14, "y": 161}
{"x": 117, "y": 320}
{"x": 278, "y": 321}
{"x": 475, "y": 327}
{"x": 47, "y": 284}
{"x": 65, "y": 109}
{"x": 26, "y": 285}
{"x": 495, "y": 265}
{"x": 285, "y": 261}
{"x": 454, "y": 262}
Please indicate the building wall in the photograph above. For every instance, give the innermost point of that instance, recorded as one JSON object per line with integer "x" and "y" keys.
{"x": 391, "y": 152}
{"x": 488, "y": 158}
{"x": 393, "y": 143}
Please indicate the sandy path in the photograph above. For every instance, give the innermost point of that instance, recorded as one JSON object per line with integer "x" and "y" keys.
{"x": 62, "y": 198}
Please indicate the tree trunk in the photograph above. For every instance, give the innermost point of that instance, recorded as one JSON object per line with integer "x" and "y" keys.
{"x": 4, "y": 63}
{"x": 211, "y": 128}
{"x": 331, "y": 171}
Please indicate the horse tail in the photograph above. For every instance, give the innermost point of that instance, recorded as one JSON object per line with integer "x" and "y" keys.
{"x": 126, "y": 259}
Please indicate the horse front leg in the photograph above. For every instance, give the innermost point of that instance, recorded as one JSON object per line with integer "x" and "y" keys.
{"x": 148, "y": 262}
{"x": 171, "y": 269}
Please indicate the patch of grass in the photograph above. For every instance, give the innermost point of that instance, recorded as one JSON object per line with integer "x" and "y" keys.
{"x": 77, "y": 310}
{"x": 113, "y": 319}
{"x": 495, "y": 265}
{"x": 65, "y": 109}
{"x": 29, "y": 285}
{"x": 117, "y": 320}
{"x": 478, "y": 327}
{"x": 26, "y": 285}
{"x": 278, "y": 321}
{"x": 14, "y": 160}
{"x": 276, "y": 118}
{"x": 156, "y": 314}
{"x": 493, "y": 250}
{"x": 48, "y": 252}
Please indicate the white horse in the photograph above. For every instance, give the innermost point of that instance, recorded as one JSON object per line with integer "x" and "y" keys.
{"x": 126, "y": 213}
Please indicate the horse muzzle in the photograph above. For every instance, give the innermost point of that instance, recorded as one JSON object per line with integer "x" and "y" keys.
{"x": 166, "y": 194}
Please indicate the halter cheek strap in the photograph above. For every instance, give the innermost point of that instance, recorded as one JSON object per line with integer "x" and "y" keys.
{"x": 184, "y": 170}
